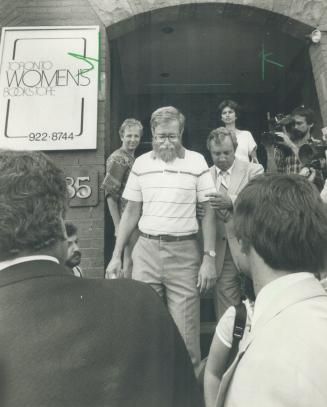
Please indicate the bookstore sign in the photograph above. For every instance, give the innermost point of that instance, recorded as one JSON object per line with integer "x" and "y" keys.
{"x": 48, "y": 88}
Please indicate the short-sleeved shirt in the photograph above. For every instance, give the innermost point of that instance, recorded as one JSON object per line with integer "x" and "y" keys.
{"x": 287, "y": 163}
{"x": 118, "y": 167}
{"x": 246, "y": 145}
{"x": 225, "y": 327}
{"x": 169, "y": 192}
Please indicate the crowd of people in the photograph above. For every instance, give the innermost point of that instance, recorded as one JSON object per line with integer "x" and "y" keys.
{"x": 256, "y": 240}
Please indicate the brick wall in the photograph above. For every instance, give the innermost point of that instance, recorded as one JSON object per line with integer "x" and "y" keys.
{"x": 89, "y": 220}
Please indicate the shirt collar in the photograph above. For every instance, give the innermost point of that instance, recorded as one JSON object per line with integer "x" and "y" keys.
{"x": 18, "y": 260}
{"x": 229, "y": 171}
{"x": 181, "y": 154}
{"x": 270, "y": 292}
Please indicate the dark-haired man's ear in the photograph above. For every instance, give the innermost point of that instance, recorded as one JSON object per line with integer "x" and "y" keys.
{"x": 243, "y": 261}
{"x": 243, "y": 247}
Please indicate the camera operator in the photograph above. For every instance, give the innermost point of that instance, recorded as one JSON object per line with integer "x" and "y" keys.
{"x": 295, "y": 134}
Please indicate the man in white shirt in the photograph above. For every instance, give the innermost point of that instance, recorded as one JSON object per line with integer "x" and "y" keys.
{"x": 281, "y": 223}
{"x": 162, "y": 191}
{"x": 230, "y": 176}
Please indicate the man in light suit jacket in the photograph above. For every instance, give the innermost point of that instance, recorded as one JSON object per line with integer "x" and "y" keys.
{"x": 282, "y": 226}
{"x": 67, "y": 341}
{"x": 230, "y": 176}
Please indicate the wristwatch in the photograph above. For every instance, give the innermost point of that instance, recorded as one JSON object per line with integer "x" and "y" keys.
{"x": 210, "y": 253}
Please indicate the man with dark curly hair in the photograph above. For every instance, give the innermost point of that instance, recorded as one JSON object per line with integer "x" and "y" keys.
{"x": 67, "y": 341}
{"x": 74, "y": 255}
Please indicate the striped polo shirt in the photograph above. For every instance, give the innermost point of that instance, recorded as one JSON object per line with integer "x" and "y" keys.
{"x": 169, "y": 192}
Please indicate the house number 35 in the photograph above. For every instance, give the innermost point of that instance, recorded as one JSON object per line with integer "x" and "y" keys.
{"x": 78, "y": 187}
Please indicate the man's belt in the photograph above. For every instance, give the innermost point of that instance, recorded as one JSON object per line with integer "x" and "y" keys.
{"x": 168, "y": 238}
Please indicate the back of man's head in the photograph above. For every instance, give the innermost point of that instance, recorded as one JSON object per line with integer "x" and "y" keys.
{"x": 32, "y": 203}
{"x": 284, "y": 219}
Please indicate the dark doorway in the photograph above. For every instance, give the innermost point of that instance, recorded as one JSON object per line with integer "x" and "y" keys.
{"x": 193, "y": 64}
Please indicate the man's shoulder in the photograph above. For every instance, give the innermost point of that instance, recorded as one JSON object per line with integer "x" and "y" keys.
{"x": 257, "y": 168}
{"x": 194, "y": 155}
{"x": 119, "y": 153}
{"x": 306, "y": 298}
{"x": 144, "y": 157}
{"x": 247, "y": 166}
{"x": 116, "y": 152}
{"x": 144, "y": 161}
{"x": 274, "y": 357}
{"x": 196, "y": 159}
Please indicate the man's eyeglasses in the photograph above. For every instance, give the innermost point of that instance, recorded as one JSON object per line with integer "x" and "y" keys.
{"x": 170, "y": 137}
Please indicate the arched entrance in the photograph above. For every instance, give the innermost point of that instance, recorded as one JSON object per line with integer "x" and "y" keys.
{"x": 193, "y": 56}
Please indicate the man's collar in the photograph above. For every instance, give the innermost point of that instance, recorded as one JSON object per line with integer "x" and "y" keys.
{"x": 229, "y": 171}
{"x": 180, "y": 154}
{"x": 271, "y": 292}
{"x": 18, "y": 260}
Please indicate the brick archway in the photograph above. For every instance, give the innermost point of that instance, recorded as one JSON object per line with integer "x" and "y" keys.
{"x": 308, "y": 12}
{"x": 295, "y": 18}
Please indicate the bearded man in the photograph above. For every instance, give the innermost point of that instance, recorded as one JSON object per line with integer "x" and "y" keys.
{"x": 162, "y": 191}
{"x": 286, "y": 154}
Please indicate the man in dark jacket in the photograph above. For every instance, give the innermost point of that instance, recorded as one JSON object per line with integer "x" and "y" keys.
{"x": 66, "y": 341}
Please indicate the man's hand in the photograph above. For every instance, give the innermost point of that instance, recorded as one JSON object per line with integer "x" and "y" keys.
{"x": 114, "y": 269}
{"x": 207, "y": 274}
{"x": 200, "y": 211}
{"x": 219, "y": 201}
{"x": 286, "y": 141}
{"x": 309, "y": 173}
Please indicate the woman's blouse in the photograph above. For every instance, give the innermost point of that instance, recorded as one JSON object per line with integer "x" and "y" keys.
{"x": 118, "y": 167}
{"x": 246, "y": 145}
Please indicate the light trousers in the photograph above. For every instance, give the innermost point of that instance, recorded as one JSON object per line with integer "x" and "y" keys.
{"x": 228, "y": 287}
{"x": 171, "y": 268}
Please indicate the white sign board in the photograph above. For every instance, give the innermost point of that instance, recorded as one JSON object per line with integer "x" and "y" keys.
{"x": 48, "y": 88}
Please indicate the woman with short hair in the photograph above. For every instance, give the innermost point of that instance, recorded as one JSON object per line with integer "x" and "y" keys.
{"x": 118, "y": 167}
{"x": 246, "y": 150}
